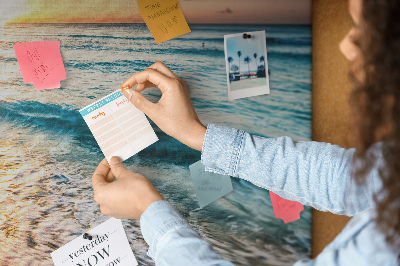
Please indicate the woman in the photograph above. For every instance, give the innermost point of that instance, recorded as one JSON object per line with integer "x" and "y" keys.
{"x": 316, "y": 174}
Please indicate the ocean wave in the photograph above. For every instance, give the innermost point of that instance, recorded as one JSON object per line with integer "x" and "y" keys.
{"x": 148, "y": 38}
{"x": 294, "y": 41}
{"x": 116, "y": 66}
{"x": 44, "y": 116}
{"x": 202, "y": 39}
{"x": 65, "y": 121}
{"x": 170, "y": 150}
{"x": 143, "y": 38}
{"x": 289, "y": 54}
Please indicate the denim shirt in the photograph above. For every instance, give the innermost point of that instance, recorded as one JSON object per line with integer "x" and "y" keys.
{"x": 312, "y": 173}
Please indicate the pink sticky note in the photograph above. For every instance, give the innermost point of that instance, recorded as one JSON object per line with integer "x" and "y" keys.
{"x": 41, "y": 63}
{"x": 288, "y": 211}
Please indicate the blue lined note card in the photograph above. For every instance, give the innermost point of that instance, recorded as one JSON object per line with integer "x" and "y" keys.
{"x": 209, "y": 186}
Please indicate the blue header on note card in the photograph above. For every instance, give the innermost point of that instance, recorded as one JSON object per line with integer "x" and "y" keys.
{"x": 100, "y": 103}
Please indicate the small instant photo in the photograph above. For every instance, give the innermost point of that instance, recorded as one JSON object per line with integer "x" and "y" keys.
{"x": 246, "y": 64}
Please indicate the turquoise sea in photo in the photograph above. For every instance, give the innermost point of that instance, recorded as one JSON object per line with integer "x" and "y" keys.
{"x": 48, "y": 153}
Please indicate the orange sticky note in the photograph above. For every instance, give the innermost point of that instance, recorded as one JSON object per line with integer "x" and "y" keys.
{"x": 288, "y": 211}
{"x": 164, "y": 18}
{"x": 41, "y": 63}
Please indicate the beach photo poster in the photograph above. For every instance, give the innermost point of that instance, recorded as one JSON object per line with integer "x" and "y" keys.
{"x": 49, "y": 152}
{"x": 246, "y": 64}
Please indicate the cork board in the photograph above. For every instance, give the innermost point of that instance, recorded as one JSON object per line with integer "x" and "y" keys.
{"x": 331, "y": 89}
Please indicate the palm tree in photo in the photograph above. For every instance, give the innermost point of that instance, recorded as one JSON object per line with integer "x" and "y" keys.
{"x": 239, "y": 55}
{"x": 234, "y": 68}
{"x": 230, "y": 60}
{"x": 261, "y": 68}
{"x": 255, "y": 60}
{"x": 247, "y": 60}
{"x": 262, "y": 59}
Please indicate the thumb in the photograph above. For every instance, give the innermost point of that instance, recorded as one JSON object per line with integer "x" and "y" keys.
{"x": 138, "y": 100}
{"x": 117, "y": 167}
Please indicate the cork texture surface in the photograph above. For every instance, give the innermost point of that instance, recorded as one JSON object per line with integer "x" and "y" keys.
{"x": 330, "y": 99}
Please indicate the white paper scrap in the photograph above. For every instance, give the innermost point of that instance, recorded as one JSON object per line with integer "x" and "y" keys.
{"x": 108, "y": 247}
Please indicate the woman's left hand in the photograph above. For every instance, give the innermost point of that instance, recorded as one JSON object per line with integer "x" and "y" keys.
{"x": 128, "y": 196}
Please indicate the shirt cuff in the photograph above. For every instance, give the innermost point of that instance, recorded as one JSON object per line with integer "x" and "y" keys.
{"x": 221, "y": 150}
{"x": 158, "y": 219}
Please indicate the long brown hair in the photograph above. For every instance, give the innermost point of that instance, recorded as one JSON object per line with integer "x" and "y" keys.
{"x": 376, "y": 108}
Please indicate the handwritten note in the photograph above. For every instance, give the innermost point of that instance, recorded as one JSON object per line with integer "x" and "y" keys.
{"x": 288, "y": 211}
{"x": 108, "y": 246}
{"x": 118, "y": 126}
{"x": 41, "y": 64}
{"x": 164, "y": 18}
{"x": 209, "y": 186}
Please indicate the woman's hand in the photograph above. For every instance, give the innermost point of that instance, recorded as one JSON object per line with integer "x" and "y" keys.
{"x": 128, "y": 196}
{"x": 173, "y": 113}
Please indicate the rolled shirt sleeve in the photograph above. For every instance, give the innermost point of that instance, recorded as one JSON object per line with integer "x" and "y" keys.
{"x": 313, "y": 173}
{"x": 172, "y": 241}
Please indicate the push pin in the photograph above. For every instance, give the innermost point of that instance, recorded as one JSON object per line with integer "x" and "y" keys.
{"x": 87, "y": 236}
{"x": 246, "y": 36}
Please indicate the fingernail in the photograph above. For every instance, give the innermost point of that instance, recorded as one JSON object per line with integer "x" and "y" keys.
{"x": 115, "y": 160}
{"x": 124, "y": 88}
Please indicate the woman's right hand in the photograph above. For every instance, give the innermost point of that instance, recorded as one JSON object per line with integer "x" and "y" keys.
{"x": 173, "y": 113}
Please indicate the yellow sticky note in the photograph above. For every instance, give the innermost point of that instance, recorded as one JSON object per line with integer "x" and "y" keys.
{"x": 164, "y": 18}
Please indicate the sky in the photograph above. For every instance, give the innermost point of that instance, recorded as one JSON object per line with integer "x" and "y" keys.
{"x": 126, "y": 11}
